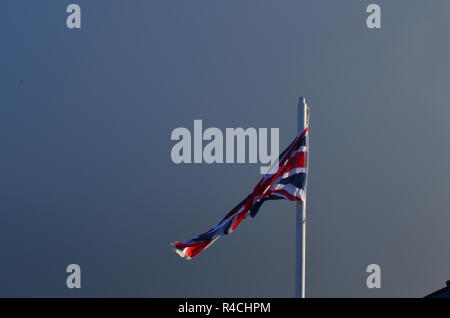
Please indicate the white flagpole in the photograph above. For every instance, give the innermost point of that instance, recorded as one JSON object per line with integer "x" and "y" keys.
{"x": 303, "y": 122}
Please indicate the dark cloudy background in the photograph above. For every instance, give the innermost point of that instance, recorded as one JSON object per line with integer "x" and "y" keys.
{"x": 85, "y": 170}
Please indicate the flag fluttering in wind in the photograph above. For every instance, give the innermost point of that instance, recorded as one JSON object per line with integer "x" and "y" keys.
{"x": 288, "y": 182}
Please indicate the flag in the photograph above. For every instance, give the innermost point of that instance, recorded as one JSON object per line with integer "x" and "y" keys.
{"x": 288, "y": 182}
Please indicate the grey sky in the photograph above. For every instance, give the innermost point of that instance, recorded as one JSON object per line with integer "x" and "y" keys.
{"x": 85, "y": 170}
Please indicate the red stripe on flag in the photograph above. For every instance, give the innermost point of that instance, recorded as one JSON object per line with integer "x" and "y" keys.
{"x": 192, "y": 250}
{"x": 287, "y": 195}
{"x": 298, "y": 161}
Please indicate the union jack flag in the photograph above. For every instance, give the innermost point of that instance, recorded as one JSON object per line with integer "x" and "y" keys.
{"x": 288, "y": 182}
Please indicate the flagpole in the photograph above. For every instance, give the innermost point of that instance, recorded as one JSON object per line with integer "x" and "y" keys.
{"x": 303, "y": 122}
